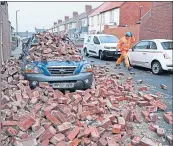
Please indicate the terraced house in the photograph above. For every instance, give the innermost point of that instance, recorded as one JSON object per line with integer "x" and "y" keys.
{"x": 76, "y": 27}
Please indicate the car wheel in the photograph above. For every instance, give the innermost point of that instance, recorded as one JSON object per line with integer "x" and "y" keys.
{"x": 101, "y": 56}
{"x": 156, "y": 68}
{"x": 85, "y": 52}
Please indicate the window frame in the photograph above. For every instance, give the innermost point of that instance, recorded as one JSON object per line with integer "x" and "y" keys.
{"x": 97, "y": 39}
{"x": 150, "y": 45}
{"x": 139, "y": 43}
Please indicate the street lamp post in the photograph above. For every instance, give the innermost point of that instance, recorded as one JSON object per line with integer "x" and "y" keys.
{"x": 17, "y": 27}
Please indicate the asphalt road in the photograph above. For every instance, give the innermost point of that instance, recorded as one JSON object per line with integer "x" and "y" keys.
{"x": 141, "y": 73}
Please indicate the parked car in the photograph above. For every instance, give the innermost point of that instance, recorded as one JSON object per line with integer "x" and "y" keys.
{"x": 71, "y": 75}
{"x": 101, "y": 45}
{"x": 154, "y": 54}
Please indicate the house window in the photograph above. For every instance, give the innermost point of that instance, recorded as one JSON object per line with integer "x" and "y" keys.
{"x": 98, "y": 20}
{"x": 112, "y": 16}
{"x": 103, "y": 18}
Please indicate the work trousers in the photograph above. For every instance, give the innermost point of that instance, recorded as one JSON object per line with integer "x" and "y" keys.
{"x": 123, "y": 56}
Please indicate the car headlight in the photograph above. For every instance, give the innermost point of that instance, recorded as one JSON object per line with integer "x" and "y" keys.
{"x": 86, "y": 68}
{"x": 106, "y": 47}
{"x": 30, "y": 68}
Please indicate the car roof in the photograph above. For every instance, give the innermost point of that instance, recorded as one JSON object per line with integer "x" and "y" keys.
{"x": 158, "y": 40}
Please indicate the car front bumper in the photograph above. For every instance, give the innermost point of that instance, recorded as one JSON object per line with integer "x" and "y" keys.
{"x": 81, "y": 81}
{"x": 111, "y": 53}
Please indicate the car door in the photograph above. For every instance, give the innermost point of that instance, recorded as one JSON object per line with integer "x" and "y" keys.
{"x": 149, "y": 53}
{"x": 96, "y": 45}
{"x": 136, "y": 56}
{"x": 88, "y": 44}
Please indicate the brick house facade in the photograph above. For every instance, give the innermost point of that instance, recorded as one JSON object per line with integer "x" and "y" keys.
{"x": 130, "y": 12}
{"x": 157, "y": 23}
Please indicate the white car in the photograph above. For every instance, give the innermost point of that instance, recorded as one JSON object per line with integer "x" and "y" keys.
{"x": 155, "y": 54}
{"x": 100, "y": 45}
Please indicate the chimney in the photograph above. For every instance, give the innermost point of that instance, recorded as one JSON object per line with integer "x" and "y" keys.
{"x": 88, "y": 8}
{"x": 75, "y": 14}
{"x": 59, "y": 21}
{"x": 66, "y": 18}
{"x": 55, "y": 23}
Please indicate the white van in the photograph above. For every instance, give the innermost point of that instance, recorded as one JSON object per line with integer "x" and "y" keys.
{"x": 100, "y": 45}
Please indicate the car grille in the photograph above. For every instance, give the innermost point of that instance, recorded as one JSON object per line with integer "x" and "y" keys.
{"x": 65, "y": 70}
{"x": 113, "y": 47}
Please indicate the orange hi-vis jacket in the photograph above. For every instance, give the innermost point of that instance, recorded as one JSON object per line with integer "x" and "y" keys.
{"x": 124, "y": 44}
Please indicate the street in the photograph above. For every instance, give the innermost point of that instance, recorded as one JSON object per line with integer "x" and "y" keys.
{"x": 141, "y": 73}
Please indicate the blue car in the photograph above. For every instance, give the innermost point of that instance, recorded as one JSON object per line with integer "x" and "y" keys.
{"x": 68, "y": 75}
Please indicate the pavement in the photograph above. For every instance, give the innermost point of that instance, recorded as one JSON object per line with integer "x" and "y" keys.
{"x": 146, "y": 75}
{"x": 16, "y": 52}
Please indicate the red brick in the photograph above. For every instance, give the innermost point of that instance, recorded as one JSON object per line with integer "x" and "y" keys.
{"x": 57, "y": 138}
{"x": 142, "y": 103}
{"x": 106, "y": 123}
{"x": 45, "y": 142}
{"x": 26, "y": 124}
{"x": 94, "y": 134}
{"x": 102, "y": 142}
{"x": 160, "y": 131}
{"x": 136, "y": 141}
{"x": 51, "y": 107}
{"x": 36, "y": 94}
{"x": 147, "y": 142}
{"x": 9, "y": 123}
{"x": 116, "y": 128}
{"x": 111, "y": 141}
{"x": 121, "y": 121}
{"x": 86, "y": 141}
{"x": 51, "y": 118}
{"x": 73, "y": 133}
{"x": 87, "y": 132}
{"x": 62, "y": 100}
{"x": 75, "y": 142}
{"x": 39, "y": 132}
{"x": 87, "y": 97}
{"x": 62, "y": 143}
{"x": 148, "y": 98}
{"x": 153, "y": 127}
{"x": 144, "y": 113}
{"x": 143, "y": 88}
{"x": 151, "y": 109}
{"x": 29, "y": 142}
{"x": 83, "y": 115}
{"x": 161, "y": 105}
{"x": 168, "y": 117}
{"x": 12, "y": 131}
{"x": 63, "y": 127}
{"x": 47, "y": 135}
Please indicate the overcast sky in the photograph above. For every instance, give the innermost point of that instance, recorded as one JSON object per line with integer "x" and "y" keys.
{"x": 43, "y": 14}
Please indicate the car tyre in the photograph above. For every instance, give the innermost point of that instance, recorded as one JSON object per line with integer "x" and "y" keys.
{"x": 156, "y": 68}
{"x": 101, "y": 55}
{"x": 85, "y": 52}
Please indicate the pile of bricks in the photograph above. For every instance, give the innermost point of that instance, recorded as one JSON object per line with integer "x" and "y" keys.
{"x": 95, "y": 117}
{"x": 53, "y": 47}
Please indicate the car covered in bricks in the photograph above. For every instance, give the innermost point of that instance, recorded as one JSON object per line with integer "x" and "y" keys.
{"x": 70, "y": 74}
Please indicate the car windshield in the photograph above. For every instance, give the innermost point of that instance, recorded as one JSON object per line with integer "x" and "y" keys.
{"x": 108, "y": 39}
{"x": 167, "y": 45}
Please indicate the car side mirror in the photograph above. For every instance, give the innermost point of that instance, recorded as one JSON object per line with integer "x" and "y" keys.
{"x": 133, "y": 48}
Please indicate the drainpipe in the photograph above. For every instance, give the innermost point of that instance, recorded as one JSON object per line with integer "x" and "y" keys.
{"x": 2, "y": 57}
{"x": 140, "y": 13}
{"x": 100, "y": 22}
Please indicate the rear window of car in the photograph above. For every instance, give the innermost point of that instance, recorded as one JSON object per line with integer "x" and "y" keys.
{"x": 167, "y": 45}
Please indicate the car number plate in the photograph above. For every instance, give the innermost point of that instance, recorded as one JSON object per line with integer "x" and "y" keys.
{"x": 63, "y": 85}
{"x": 117, "y": 53}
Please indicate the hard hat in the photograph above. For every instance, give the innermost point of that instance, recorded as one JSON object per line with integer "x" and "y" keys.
{"x": 128, "y": 34}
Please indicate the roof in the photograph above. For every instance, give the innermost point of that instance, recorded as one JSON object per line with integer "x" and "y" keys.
{"x": 39, "y": 30}
{"x": 80, "y": 16}
{"x": 106, "y": 6}
{"x": 157, "y": 40}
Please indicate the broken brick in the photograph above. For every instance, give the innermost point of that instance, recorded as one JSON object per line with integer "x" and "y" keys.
{"x": 73, "y": 133}
{"x": 116, "y": 128}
